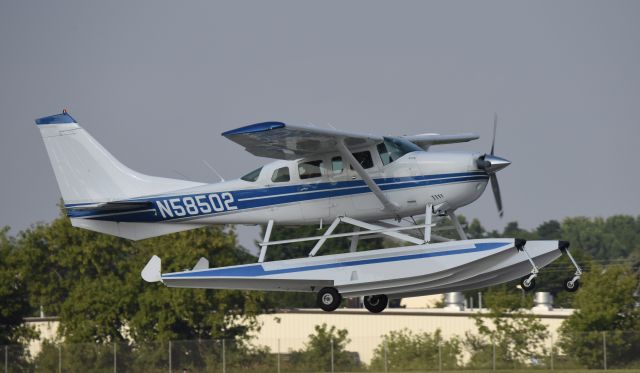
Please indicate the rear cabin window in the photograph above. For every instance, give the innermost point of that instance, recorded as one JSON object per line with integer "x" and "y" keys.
{"x": 336, "y": 165}
{"x": 308, "y": 170}
{"x": 364, "y": 158}
{"x": 253, "y": 175}
{"x": 281, "y": 175}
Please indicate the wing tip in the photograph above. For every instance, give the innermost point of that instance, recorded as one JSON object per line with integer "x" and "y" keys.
{"x": 253, "y": 128}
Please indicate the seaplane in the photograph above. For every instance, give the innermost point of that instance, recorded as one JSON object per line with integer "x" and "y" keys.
{"x": 320, "y": 176}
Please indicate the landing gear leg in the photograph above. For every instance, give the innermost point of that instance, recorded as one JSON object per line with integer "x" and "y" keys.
{"x": 329, "y": 299}
{"x": 572, "y": 283}
{"x": 528, "y": 282}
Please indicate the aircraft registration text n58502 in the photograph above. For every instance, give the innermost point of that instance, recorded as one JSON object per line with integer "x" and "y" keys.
{"x": 196, "y": 205}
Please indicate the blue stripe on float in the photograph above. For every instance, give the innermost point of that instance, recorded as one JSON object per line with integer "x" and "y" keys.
{"x": 257, "y": 270}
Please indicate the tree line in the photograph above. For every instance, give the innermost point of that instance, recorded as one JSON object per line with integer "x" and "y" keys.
{"x": 92, "y": 281}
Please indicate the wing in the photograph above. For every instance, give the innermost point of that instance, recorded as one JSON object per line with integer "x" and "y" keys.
{"x": 284, "y": 141}
{"x": 425, "y": 140}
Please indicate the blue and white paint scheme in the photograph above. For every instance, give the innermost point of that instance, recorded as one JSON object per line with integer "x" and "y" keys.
{"x": 310, "y": 182}
{"x": 319, "y": 175}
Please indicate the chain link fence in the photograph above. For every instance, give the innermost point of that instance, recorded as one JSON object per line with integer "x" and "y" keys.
{"x": 584, "y": 351}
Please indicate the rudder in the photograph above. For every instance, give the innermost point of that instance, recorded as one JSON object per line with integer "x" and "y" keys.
{"x": 87, "y": 173}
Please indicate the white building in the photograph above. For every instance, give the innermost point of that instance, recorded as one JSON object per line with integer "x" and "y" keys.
{"x": 289, "y": 329}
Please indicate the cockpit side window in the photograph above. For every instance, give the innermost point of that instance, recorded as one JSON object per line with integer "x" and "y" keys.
{"x": 393, "y": 148}
{"x": 253, "y": 175}
{"x": 281, "y": 175}
{"x": 385, "y": 155}
{"x": 311, "y": 169}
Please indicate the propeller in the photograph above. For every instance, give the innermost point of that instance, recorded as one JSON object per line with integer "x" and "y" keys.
{"x": 492, "y": 164}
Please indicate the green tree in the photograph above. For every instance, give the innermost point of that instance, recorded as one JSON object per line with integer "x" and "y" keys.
{"x": 408, "y": 351}
{"x": 14, "y": 303}
{"x": 605, "y": 303}
{"x": 318, "y": 350}
{"x": 92, "y": 281}
{"x": 549, "y": 230}
{"x": 615, "y": 237}
{"x": 14, "y": 306}
{"x": 518, "y": 336}
{"x": 476, "y": 230}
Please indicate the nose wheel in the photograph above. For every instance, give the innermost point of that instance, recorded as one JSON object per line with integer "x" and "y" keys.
{"x": 329, "y": 299}
{"x": 528, "y": 282}
{"x": 376, "y": 303}
{"x": 571, "y": 284}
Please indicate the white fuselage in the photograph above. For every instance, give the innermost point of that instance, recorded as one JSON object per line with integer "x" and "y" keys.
{"x": 450, "y": 180}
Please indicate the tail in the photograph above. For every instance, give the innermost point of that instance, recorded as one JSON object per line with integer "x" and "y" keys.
{"x": 88, "y": 174}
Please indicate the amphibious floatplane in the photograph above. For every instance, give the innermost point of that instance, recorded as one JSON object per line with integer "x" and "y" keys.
{"x": 379, "y": 275}
{"x": 374, "y": 183}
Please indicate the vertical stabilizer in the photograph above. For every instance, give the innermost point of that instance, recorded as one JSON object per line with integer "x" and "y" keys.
{"x": 87, "y": 173}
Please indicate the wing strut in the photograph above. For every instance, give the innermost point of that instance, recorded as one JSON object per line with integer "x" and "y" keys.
{"x": 344, "y": 151}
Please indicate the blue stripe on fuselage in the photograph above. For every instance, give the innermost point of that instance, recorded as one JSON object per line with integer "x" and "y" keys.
{"x": 262, "y": 197}
{"x": 257, "y": 270}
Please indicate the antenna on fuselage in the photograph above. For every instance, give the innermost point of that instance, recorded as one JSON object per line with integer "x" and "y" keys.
{"x": 213, "y": 169}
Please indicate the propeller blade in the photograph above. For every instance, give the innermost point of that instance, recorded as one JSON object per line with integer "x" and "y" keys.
{"x": 495, "y": 124}
{"x": 496, "y": 193}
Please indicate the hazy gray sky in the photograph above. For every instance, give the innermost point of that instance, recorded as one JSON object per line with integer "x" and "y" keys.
{"x": 157, "y": 82}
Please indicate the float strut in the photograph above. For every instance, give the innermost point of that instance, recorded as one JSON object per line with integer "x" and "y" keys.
{"x": 427, "y": 223}
{"x": 326, "y": 235}
{"x": 267, "y": 235}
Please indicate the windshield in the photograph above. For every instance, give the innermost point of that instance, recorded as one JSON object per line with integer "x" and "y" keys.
{"x": 253, "y": 175}
{"x": 393, "y": 148}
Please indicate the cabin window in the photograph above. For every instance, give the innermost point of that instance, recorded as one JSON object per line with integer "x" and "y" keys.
{"x": 364, "y": 158}
{"x": 281, "y": 175}
{"x": 308, "y": 170}
{"x": 253, "y": 175}
{"x": 336, "y": 165}
{"x": 394, "y": 148}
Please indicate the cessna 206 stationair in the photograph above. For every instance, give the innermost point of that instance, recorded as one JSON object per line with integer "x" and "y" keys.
{"x": 320, "y": 175}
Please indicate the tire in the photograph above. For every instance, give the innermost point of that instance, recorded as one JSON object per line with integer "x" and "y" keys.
{"x": 376, "y": 303}
{"x": 329, "y": 299}
{"x": 531, "y": 286}
{"x": 571, "y": 287}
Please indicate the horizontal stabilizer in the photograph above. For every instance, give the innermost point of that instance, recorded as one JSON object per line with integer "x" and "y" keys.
{"x": 112, "y": 206}
{"x": 132, "y": 231}
{"x": 151, "y": 272}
